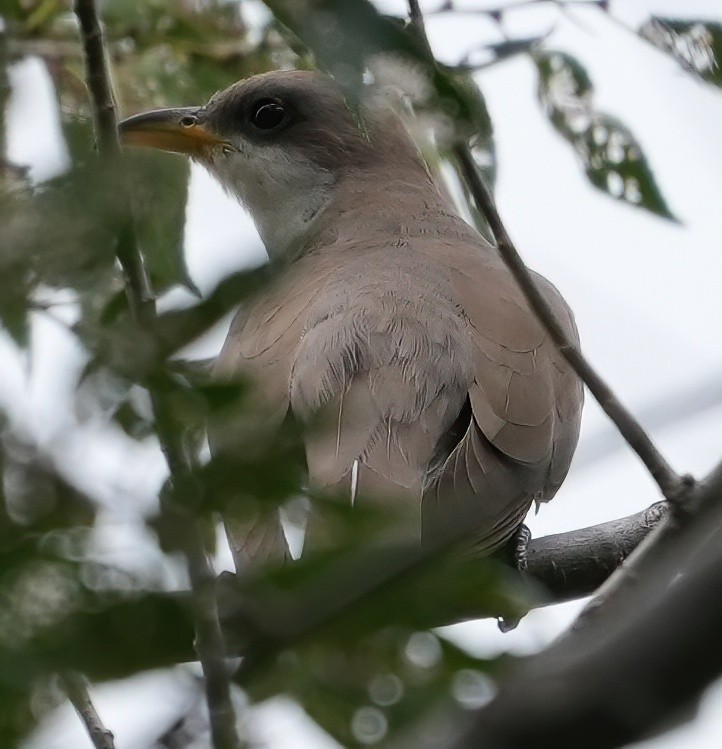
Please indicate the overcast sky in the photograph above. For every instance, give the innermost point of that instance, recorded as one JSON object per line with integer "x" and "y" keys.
{"x": 646, "y": 294}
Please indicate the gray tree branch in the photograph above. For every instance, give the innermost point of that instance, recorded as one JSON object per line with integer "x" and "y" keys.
{"x": 643, "y": 656}
{"x": 76, "y": 687}
{"x": 574, "y": 564}
{"x": 209, "y": 641}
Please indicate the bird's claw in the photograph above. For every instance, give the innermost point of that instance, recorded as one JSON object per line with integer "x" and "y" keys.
{"x": 518, "y": 546}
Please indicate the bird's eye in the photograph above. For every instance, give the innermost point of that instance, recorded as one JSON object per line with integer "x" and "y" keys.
{"x": 268, "y": 114}
{"x": 188, "y": 120}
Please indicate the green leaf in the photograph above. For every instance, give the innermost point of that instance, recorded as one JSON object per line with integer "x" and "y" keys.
{"x": 159, "y": 186}
{"x": 16, "y": 715}
{"x": 695, "y": 45}
{"x": 344, "y": 628}
{"x": 343, "y": 34}
{"x": 106, "y": 637}
{"x": 15, "y": 318}
{"x": 176, "y": 328}
{"x": 610, "y": 154}
{"x": 344, "y": 594}
{"x": 64, "y": 235}
{"x": 396, "y": 676}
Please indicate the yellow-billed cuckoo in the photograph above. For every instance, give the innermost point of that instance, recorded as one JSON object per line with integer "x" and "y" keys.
{"x": 391, "y": 324}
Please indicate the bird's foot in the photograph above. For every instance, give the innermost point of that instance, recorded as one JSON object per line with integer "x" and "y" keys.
{"x": 519, "y": 544}
{"x": 517, "y": 547}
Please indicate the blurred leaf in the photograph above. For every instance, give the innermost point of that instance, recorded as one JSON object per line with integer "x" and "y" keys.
{"x": 159, "y": 186}
{"x": 133, "y": 421}
{"x": 105, "y": 637}
{"x": 246, "y": 479}
{"x": 695, "y": 45}
{"x": 378, "y": 688}
{"x": 344, "y": 34}
{"x": 156, "y": 22}
{"x": 31, "y": 16}
{"x": 177, "y": 328}
{"x": 16, "y": 715}
{"x": 15, "y": 284}
{"x": 612, "y": 157}
{"x": 172, "y": 53}
{"x": 40, "y": 510}
{"x": 332, "y": 628}
{"x": 14, "y": 316}
{"x": 340, "y": 595}
{"x": 64, "y": 235}
{"x": 481, "y": 129}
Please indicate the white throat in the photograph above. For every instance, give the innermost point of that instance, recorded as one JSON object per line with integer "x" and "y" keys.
{"x": 284, "y": 192}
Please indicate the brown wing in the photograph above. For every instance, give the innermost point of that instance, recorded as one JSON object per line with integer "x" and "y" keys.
{"x": 523, "y": 421}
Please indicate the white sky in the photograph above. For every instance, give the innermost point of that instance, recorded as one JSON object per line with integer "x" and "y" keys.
{"x": 646, "y": 294}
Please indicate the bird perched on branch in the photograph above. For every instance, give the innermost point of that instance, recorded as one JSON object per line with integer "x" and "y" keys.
{"x": 391, "y": 326}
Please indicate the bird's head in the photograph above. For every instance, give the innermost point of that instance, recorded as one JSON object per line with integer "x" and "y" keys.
{"x": 280, "y": 142}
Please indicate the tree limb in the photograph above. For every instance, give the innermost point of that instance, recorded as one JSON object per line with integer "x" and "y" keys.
{"x": 76, "y": 687}
{"x": 645, "y": 655}
{"x": 574, "y": 564}
{"x": 209, "y": 643}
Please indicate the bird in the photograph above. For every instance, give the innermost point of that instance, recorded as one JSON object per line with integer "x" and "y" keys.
{"x": 391, "y": 331}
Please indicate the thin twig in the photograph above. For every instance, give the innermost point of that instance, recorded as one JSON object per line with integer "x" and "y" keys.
{"x": 104, "y": 117}
{"x": 76, "y": 687}
{"x": 673, "y": 486}
{"x": 209, "y": 643}
{"x": 497, "y": 12}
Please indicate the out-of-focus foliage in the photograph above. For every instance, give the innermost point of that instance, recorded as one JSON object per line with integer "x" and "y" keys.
{"x": 695, "y": 45}
{"x": 58, "y": 607}
{"x": 344, "y": 631}
{"x": 610, "y": 154}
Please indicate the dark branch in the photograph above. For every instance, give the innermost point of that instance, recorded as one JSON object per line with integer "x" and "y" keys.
{"x": 76, "y": 687}
{"x": 106, "y": 131}
{"x": 622, "y": 585}
{"x": 645, "y": 655}
{"x": 574, "y": 564}
{"x": 209, "y": 644}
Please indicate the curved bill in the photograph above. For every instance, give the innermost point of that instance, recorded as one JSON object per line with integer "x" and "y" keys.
{"x": 175, "y": 130}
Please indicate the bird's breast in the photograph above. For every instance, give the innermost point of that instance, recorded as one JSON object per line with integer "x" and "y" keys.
{"x": 405, "y": 331}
